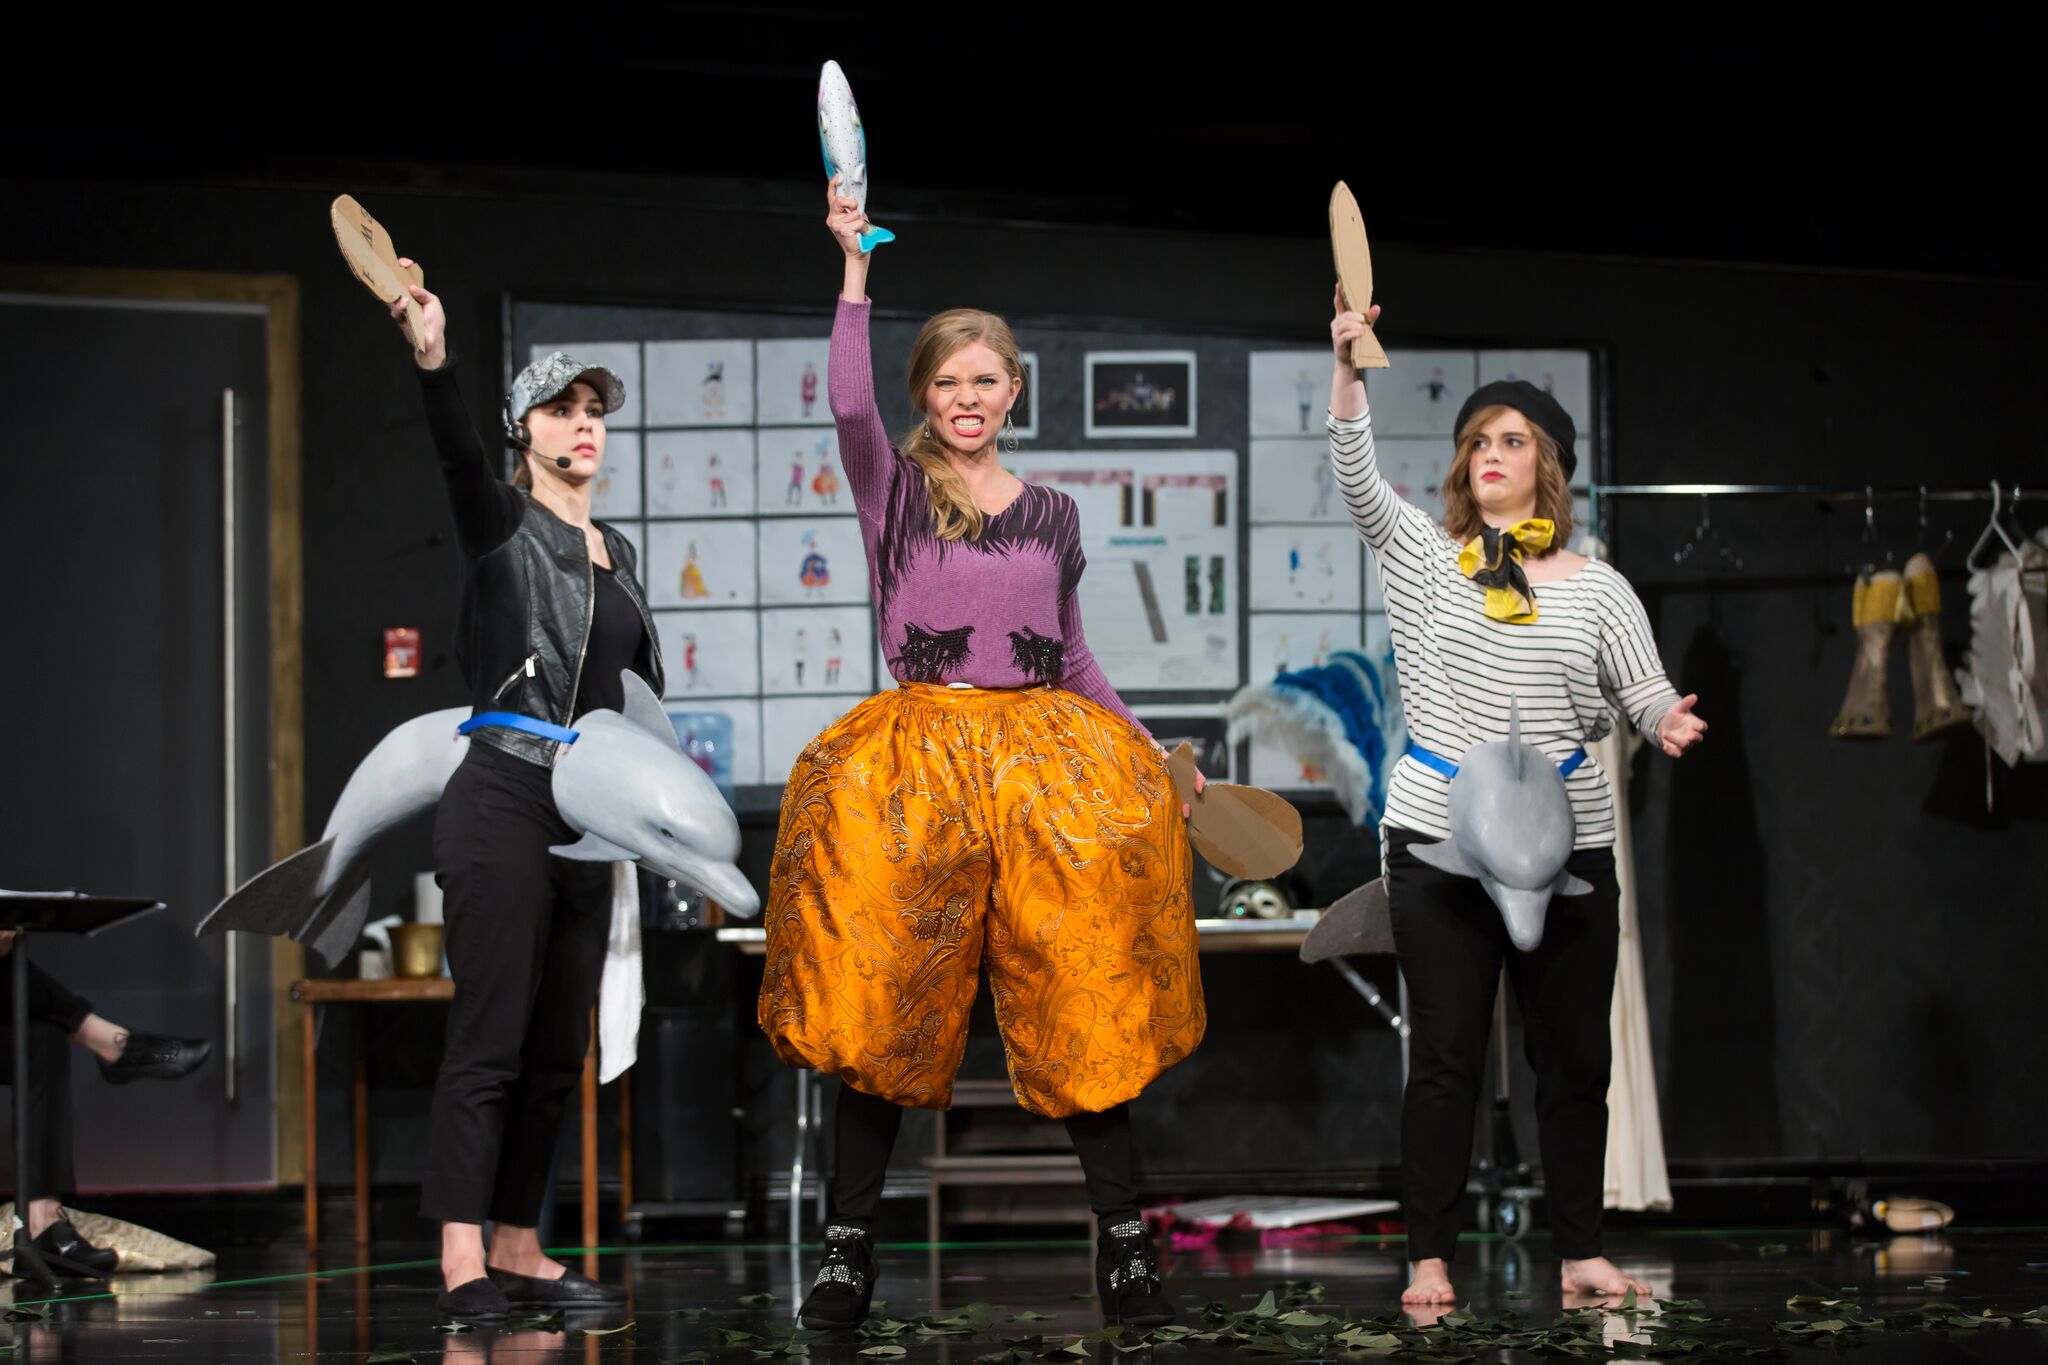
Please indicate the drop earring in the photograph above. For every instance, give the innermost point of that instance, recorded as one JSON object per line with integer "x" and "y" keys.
{"x": 1010, "y": 427}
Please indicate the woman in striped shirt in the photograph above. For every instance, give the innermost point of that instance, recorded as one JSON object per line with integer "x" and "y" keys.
{"x": 1490, "y": 615}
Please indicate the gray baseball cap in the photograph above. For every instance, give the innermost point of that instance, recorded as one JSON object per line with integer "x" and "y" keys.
{"x": 550, "y": 377}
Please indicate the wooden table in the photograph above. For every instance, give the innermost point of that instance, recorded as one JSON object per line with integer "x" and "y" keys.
{"x": 401, "y": 991}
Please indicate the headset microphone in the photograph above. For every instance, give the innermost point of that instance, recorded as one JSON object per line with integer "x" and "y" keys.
{"x": 512, "y": 430}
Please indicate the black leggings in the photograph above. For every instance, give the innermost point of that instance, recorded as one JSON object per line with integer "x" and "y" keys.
{"x": 526, "y": 941}
{"x": 864, "y": 1133}
{"x": 1452, "y": 945}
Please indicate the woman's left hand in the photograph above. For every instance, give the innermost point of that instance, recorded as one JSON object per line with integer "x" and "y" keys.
{"x": 1681, "y": 729}
{"x": 1185, "y": 813}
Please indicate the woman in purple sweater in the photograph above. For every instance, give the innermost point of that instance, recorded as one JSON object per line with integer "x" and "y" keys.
{"x": 1000, "y": 805}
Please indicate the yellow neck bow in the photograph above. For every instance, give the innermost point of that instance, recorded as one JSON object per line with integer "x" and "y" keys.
{"x": 1493, "y": 559}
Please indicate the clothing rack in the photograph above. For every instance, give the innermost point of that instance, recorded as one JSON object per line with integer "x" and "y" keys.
{"x": 1994, "y": 491}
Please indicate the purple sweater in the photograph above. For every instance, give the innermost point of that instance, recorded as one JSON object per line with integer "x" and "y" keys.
{"x": 1000, "y": 611}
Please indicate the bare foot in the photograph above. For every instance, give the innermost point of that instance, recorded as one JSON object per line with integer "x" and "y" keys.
{"x": 1431, "y": 1283}
{"x": 1425, "y": 1315}
{"x": 1599, "y": 1279}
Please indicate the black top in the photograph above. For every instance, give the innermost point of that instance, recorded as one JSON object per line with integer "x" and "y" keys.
{"x": 486, "y": 507}
{"x": 615, "y": 636}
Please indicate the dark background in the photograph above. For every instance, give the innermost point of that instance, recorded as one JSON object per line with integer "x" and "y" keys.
{"x": 1806, "y": 261}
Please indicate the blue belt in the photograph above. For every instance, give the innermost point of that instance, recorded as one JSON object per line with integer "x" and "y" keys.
{"x": 1437, "y": 763}
{"x": 512, "y": 720}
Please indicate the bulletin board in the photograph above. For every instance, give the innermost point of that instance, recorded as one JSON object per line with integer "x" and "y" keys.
{"x": 1219, "y": 549}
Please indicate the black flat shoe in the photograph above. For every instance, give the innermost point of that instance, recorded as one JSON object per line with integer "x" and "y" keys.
{"x": 62, "y": 1240}
{"x": 152, "y": 1057}
{"x": 1127, "y": 1277}
{"x": 476, "y": 1300}
{"x": 845, "y": 1286}
{"x": 570, "y": 1291}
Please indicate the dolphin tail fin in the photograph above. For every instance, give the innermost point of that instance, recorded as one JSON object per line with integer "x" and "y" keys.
{"x": 338, "y": 923}
{"x": 1445, "y": 857}
{"x": 283, "y": 900}
{"x": 1359, "y": 924}
{"x": 1568, "y": 885}
{"x": 1515, "y": 736}
{"x": 874, "y": 237}
{"x": 275, "y": 900}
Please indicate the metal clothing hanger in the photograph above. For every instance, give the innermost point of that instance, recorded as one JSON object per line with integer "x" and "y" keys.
{"x": 1993, "y": 527}
{"x": 1702, "y": 535}
{"x": 1920, "y": 537}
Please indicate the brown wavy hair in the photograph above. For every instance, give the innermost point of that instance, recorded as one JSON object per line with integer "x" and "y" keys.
{"x": 1462, "y": 518}
{"x": 955, "y": 516}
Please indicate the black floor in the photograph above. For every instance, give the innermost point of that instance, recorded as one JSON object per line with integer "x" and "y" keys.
{"x": 967, "y": 1304}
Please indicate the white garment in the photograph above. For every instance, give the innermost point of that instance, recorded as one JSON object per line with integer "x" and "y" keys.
{"x": 621, "y": 992}
{"x": 1636, "y": 1176}
{"x": 2005, "y": 673}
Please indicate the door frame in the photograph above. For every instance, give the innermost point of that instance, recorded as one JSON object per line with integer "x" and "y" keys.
{"x": 278, "y": 296}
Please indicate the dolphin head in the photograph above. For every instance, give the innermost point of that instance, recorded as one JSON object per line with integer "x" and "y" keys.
{"x": 1511, "y": 815}
{"x": 626, "y": 788}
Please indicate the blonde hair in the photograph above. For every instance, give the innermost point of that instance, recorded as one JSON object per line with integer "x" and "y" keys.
{"x": 1462, "y": 518}
{"x": 955, "y": 516}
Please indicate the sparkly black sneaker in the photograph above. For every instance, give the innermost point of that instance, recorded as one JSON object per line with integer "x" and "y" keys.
{"x": 1127, "y": 1277}
{"x": 845, "y": 1285}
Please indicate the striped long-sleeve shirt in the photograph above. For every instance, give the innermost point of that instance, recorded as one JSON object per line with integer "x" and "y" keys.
{"x": 1589, "y": 654}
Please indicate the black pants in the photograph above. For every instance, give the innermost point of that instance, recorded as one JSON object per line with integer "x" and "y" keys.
{"x": 54, "y": 1014}
{"x": 864, "y": 1133}
{"x": 1452, "y": 946}
{"x": 526, "y": 942}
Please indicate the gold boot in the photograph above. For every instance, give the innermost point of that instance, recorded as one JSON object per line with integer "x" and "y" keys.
{"x": 1937, "y": 705}
{"x": 1867, "y": 709}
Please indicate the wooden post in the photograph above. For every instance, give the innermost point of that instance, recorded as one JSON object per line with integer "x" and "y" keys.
{"x": 360, "y": 1038}
{"x": 309, "y": 1035}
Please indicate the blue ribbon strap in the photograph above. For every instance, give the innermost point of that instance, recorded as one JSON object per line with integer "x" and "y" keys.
{"x": 1437, "y": 763}
{"x": 512, "y": 720}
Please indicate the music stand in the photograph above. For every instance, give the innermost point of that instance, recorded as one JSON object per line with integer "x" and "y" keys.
{"x": 48, "y": 912}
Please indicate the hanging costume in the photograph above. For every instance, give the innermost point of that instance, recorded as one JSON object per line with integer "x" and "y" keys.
{"x": 2005, "y": 675}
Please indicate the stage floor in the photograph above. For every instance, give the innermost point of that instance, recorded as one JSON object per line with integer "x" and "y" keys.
{"x": 704, "y": 1302}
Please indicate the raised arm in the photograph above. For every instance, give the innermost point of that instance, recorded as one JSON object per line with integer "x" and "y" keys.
{"x": 864, "y": 449}
{"x": 486, "y": 509}
{"x": 1391, "y": 525}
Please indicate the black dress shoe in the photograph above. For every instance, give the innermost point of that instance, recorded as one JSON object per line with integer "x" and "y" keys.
{"x": 61, "y": 1239}
{"x": 1127, "y": 1277}
{"x": 845, "y": 1286}
{"x": 152, "y": 1057}
{"x": 570, "y": 1291}
{"x": 477, "y": 1300}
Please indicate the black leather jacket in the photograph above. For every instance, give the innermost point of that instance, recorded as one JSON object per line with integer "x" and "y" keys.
{"x": 528, "y": 587}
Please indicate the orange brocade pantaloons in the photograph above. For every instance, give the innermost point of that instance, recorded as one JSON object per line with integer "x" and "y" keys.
{"x": 931, "y": 830}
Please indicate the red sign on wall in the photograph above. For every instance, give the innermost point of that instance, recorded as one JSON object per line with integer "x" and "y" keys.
{"x": 401, "y": 652}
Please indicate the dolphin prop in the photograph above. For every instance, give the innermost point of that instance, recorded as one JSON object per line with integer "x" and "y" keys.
{"x": 845, "y": 142}
{"x": 1511, "y": 829}
{"x": 624, "y": 785}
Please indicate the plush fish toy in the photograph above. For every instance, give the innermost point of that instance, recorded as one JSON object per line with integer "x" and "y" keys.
{"x": 1512, "y": 831}
{"x": 845, "y": 143}
{"x": 624, "y": 785}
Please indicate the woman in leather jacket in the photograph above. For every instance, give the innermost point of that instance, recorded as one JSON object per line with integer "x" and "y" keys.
{"x": 551, "y": 615}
